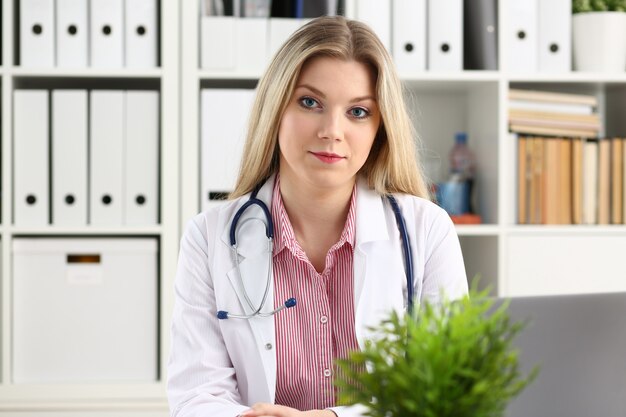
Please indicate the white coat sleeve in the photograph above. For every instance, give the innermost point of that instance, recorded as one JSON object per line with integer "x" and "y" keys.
{"x": 201, "y": 380}
{"x": 444, "y": 269}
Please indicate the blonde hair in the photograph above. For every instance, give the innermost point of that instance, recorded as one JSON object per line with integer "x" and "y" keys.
{"x": 392, "y": 165}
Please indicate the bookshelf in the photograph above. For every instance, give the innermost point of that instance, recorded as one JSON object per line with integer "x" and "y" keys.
{"x": 119, "y": 399}
{"x": 443, "y": 103}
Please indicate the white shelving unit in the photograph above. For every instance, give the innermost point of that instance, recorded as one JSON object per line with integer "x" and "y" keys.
{"x": 442, "y": 104}
{"x": 93, "y": 399}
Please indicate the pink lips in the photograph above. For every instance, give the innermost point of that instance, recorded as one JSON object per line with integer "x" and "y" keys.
{"x": 328, "y": 158}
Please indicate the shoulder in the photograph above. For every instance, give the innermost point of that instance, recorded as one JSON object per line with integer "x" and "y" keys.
{"x": 425, "y": 214}
{"x": 211, "y": 222}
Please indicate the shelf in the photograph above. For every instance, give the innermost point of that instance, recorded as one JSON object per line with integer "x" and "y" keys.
{"x": 84, "y": 231}
{"x": 423, "y": 77}
{"x": 567, "y": 229}
{"x": 571, "y": 77}
{"x": 84, "y": 73}
{"x": 477, "y": 229}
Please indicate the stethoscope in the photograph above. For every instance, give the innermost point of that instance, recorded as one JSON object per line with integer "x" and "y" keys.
{"x": 269, "y": 233}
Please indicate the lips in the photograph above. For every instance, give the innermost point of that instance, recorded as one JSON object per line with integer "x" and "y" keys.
{"x": 327, "y": 157}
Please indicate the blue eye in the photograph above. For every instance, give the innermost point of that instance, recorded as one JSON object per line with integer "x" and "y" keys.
{"x": 308, "y": 103}
{"x": 359, "y": 113}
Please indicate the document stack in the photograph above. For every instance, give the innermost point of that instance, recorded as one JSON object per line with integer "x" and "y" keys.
{"x": 104, "y": 165}
{"x": 88, "y": 33}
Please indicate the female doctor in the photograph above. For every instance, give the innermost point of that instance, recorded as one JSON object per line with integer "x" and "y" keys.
{"x": 329, "y": 139}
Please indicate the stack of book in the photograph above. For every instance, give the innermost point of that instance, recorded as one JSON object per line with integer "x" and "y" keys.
{"x": 566, "y": 175}
{"x": 571, "y": 180}
{"x": 553, "y": 114}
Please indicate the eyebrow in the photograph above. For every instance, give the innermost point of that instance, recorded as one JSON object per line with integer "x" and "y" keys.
{"x": 319, "y": 93}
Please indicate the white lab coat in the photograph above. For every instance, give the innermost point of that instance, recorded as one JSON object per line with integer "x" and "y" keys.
{"x": 217, "y": 367}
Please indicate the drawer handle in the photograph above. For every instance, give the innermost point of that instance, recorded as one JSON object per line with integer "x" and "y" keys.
{"x": 83, "y": 259}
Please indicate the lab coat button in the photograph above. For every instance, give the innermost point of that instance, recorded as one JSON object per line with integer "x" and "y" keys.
{"x": 268, "y": 346}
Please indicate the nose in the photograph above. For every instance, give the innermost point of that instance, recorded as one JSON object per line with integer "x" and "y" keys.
{"x": 331, "y": 125}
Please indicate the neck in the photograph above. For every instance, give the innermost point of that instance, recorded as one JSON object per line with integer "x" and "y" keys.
{"x": 317, "y": 215}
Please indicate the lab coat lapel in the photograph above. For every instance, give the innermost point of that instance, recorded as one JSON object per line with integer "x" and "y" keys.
{"x": 379, "y": 277}
{"x": 255, "y": 260}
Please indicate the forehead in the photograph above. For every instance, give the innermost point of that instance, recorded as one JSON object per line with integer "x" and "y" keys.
{"x": 334, "y": 74}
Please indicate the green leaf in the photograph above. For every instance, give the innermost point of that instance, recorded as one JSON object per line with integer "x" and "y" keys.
{"x": 451, "y": 359}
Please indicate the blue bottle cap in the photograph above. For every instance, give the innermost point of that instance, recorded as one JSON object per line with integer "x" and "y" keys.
{"x": 461, "y": 137}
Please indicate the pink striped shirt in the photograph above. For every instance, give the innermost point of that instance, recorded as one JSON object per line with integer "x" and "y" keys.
{"x": 321, "y": 326}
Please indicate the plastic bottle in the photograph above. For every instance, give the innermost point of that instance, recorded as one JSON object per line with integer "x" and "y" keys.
{"x": 462, "y": 170}
{"x": 462, "y": 159}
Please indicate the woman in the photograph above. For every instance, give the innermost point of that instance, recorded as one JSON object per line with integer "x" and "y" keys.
{"x": 329, "y": 137}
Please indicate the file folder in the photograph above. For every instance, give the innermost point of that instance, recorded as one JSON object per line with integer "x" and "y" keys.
{"x": 522, "y": 36}
{"x": 141, "y": 33}
{"x": 217, "y": 42}
{"x": 377, "y": 15}
{"x": 251, "y": 44}
{"x": 141, "y": 196}
{"x": 445, "y": 35}
{"x": 279, "y": 31}
{"x": 555, "y": 35}
{"x": 71, "y": 34}
{"x": 225, "y": 114}
{"x": 37, "y": 33}
{"x": 106, "y": 30}
{"x": 106, "y": 161}
{"x": 481, "y": 35}
{"x": 409, "y": 35}
{"x": 69, "y": 157}
{"x": 30, "y": 147}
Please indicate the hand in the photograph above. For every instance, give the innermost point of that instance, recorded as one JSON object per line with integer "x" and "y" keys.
{"x": 271, "y": 410}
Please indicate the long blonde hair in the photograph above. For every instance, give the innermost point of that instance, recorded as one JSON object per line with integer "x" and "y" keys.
{"x": 392, "y": 165}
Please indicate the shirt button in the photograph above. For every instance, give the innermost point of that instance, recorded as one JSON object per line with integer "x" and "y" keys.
{"x": 324, "y": 319}
{"x": 268, "y": 346}
{"x": 327, "y": 372}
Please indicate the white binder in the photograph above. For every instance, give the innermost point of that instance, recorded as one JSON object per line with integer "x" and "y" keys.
{"x": 409, "y": 35}
{"x": 251, "y": 44}
{"x": 555, "y": 35}
{"x": 225, "y": 114}
{"x": 30, "y": 147}
{"x": 69, "y": 157}
{"x": 141, "y": 33}
{"x": 522, "y": 37}
{"x": 280, "y": 29}
{"x": 141, "y": 158}
{"x": 445, "y": 35}
{"x": 376, "y": 14}
{"x": 37, "y": 33}
{"x": 217, "y": 42}
{"x": 71, "y": 34}
{"x": 106, "y": 30}
{"x": 106, "y": 114}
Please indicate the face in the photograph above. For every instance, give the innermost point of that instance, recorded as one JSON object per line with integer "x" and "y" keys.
{"x": 328, "y": 128}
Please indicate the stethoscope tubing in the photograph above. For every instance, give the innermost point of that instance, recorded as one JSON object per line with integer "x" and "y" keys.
{"x": 269, "y": 232}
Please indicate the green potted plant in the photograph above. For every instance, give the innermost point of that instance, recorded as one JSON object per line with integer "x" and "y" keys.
{"x": 455, "y": 359}
{"x": 599, "y": 35}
